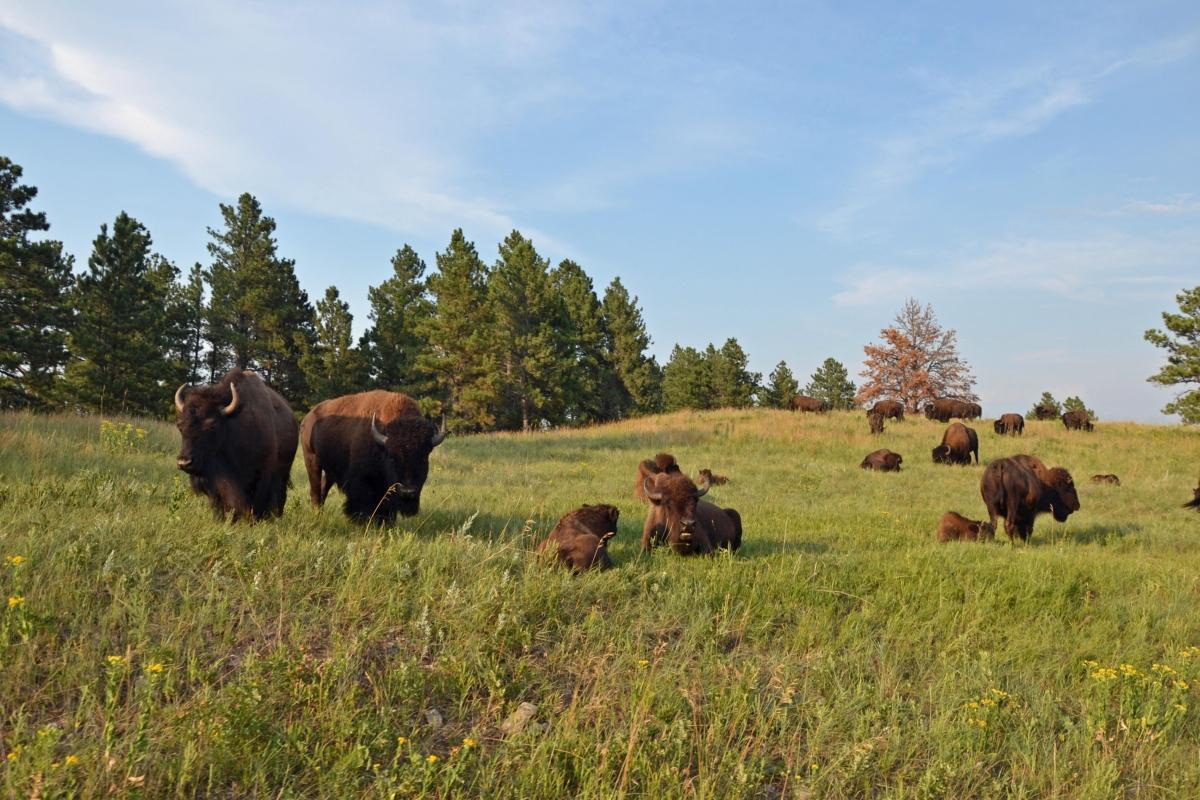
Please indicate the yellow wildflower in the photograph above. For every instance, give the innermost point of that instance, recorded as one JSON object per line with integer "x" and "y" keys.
{"x": 468, "y": 743}
{"x": 1181, "y": 706}
{"x": 71, "y": 761}
{"x": 454, "y": 750}
{"x": 1089, "y": 664}
{"x": 401, "y": 740}
{"x": 987, "y": 701}
{"x": 972, "y": 704}
{"x": 1104, "y": 674}
{"x": 1182, "y": 685}
{"x": 431, "y": 758}
{"x": 114, "y": 661}
{"x": 643, "y": 663}
{"x": 155, "y": 668}
{"x": 14, "y": 561}
{"x": 1128, "y": 670}
{"x": 15, "y": 600}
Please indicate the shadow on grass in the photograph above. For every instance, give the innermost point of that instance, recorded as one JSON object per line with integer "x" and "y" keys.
{"x": 1092, "y": 534}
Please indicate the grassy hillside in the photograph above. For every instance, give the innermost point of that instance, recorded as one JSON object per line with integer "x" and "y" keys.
{"x": 841, "y": 653}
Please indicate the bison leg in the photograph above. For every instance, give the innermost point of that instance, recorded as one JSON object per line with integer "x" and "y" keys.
{"x": 234, "y": 499}
{"x": 318, "y": 485}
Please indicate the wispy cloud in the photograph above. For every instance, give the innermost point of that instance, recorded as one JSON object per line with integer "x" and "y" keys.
{"x": 1184, "y": 204}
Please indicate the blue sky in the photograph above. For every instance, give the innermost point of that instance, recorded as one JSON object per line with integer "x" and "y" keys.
{"x": 784, "y": 173}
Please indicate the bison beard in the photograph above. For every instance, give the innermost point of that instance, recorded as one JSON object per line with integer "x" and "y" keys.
{"x": 375, "y": 447}
{"x": 677, "y": 517}
{"x": 238, "y": 443}
{"x": 1016, "y": 489}
{"x": 580, "y": 539}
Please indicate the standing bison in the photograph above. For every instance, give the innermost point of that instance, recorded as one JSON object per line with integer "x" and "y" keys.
{"x": 1020, "y": 488}
{"x": 680, "y": 519}
{"x": 1044, "y": 412}
{"x": 875, "y": 420}
{"x": 375, "y": 447}
{"x": 580, "y": 539}
{"x": 947, "y": 408}
{"x": 958, "y": 443}
{"x": 890, "y": 409}
{"x": 1077, "y": 421}
{"x": 882, "y": 460}
{"x": 1010, "y": 424}
{"x": 805, "y": 403}
{"x": 239, "y": 441}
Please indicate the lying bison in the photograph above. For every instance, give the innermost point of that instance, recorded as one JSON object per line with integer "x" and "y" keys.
{"x": 954, "y": 527}
{"x": 890, "y": 409}
{"x": 1109, "y": 478}
{"x": 580, "y": 539}
{"x": 239, "y": 441}
{"x": 1077, "y": 421}
{"x": 875, "y": 420}
{"x": 882, "y": 460}
{"x": 375, "y": 447}
{"x": 1020, "y": 488}
{"x": 677, "y": 517}
{"x": 805, "y": 403}
{"x": 1010, "y": 424}
{"x": 713, "y": 480}
{"x": 958, "y": 443}
{"x": 1195, "y": 501}
{"x": 663, "y": 462}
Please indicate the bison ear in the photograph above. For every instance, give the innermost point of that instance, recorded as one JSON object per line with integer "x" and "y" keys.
{"x": 648, "y": 488}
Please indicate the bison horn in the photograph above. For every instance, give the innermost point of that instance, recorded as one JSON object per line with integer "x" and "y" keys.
{"x": 233, "y": 403}
{"x": 702, "y": 486}
{"x": 179, "y": 397}
{"x": 439, "y": 437}
{"x": 648, "y": 487}
{"x": 377, "y": 434}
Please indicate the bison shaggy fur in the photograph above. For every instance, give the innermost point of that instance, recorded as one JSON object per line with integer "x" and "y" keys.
{"x": 1108, "y": 478}
{"x": 677, "y": 517}
{"x": 875, "y": 421}
{"x": 1010, "y": 424}
{"x": 882, "y": 460}
{"x": 954, "y": 527}
{"x": 890, "y": 409}
{"x": 580, "y": 539}
{"x": 662, "y": 462}
{"x": 805, "y": 403}
{"x": 958, "y": 444}
{"x": 1077, "y": 421}
{"x": 1015, "y": 491}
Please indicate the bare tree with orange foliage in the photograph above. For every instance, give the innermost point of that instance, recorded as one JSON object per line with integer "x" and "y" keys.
{"x": 916, "y": 361}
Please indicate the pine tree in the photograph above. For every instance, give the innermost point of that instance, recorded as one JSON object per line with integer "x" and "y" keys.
{"x": 831, "y": 383}
{"x": 192, "y": 326}
{"x": 733, "y": 385}
{"x": 782, "y": 386}
{"x": 258, "y": 316}
{"x": 593, "y": 392}
{"x": 529, "y": 322}
{"x": 641, "y": 379}
{"x": 400, "y": 307}
{"x": 332, "y": 365}
{"x": 687, "y": 380}
{"x": 917, "y": 361}
{"x": 460, "y": 356}
{"x": 1046, "y": 400}
{"x": 120, "y": 337}
{"x": 1182, "y": 343}
{"x": 35, "y": 311}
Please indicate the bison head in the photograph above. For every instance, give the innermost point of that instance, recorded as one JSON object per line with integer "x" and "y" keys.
{"x": 405, "y": 444}
{"x": 1066, "y": 500}
{"x": 1195, "y": 501}
{"x": 998, "y": 426}
{"x": 941, "y": 454}
{"x": 676, "y": 496}
{"x": 202, "y": 417}
{"x": 984, "y": 531}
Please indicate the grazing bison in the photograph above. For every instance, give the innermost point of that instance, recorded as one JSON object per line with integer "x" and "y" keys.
{"x": 891, "y": 409}
{"x": 713, "y": 480}
{"x": 958, "y": 443}
{"x": 1044, "y": 412}
{"x": 805, "y": 403}
{"x": 580, "y": 539}
{"x": 1109, "y": 478}
{"x": 875, "y": 420}
{"x": 954, "y": 527}
{"x": 947, "y": 408}
{"x": 1011, "y": 424}
{"x": 882, "y": 460}
{"x": 375, "y": 447}
{"x": 663, "y": 462}
{"x": 679, "y": 518}
{"x": 239, "y": 441}
{"x": 1077, "y": 421}
{"x": 1017, "y": 492}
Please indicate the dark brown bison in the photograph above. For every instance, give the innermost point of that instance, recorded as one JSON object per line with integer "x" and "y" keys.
{"x": 713, "y": 480}
{"x": 954, "y": 527}
{"x": 1109, "y": 479}
{"x": 958, "y": 443}
{"x": 1010, "y": 424}
{"x": 882, "y": 460}
{"x": 663, "y": 462}
{"x": 947, "y": 408}
{"x": 875, "y": 420}
{"x": 1077, "y": 421}
{"x": 891, "y": 409}
{"x": 1195, "y": 501}
{"x": 804, "y": 403}
{"x": 375, "y": 447}
{"x": 239, "y": 441}
{"x": 580, "y": 539}
{"x": 680, "y": 519}
{"x": 1011, "y": 489}
{"x": 1044, "y": 412}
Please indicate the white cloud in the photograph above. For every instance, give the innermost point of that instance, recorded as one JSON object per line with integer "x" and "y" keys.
{"x": 1184, "y": 204}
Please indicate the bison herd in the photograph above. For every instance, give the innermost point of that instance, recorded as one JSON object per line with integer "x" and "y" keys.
{"x": 239, "y": 440}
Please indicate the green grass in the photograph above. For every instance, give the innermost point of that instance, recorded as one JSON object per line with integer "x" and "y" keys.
{"x": 836, "y": 655}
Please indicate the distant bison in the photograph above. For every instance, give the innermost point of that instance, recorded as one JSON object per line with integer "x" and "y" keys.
{"x": 663, "y": 462}
{"x": 1010, "y": 424}
{"x": 958, "y": 444}
{"x": 947, "y": 408}
{"x": 580, "y": 539}
{"x": 954, "y": 527}
{"x": 375, "y": 447}
{"x": 1195, "y": 501}
{"x": 1077, "y": 420}
{"x": 1017, "y": 492}
{"x": 239, "y": 441}
{"x": 875, "y": 420}
{"x": 1109, "y": 478}
{"x": 882, "y": 460}
{"x": 804, "y": 403}
{"x": 678, "y": 518}
{"x": 1045, "y": 412}
{"x": 890, "y": 409}
{"x": 713, "y": 480}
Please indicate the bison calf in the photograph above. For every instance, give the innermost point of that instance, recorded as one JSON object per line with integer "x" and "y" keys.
{"x": 678, "y": 518}
{"x": 958, "y": 443}
{"x": 713, "y": 480}
{"x": 882, "y": 460}
{"x": 1020, "y": 488}
{"x": 954, "y": 527}
{"x": 1109, "y": 478}
{"x": 580, "y": 539}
